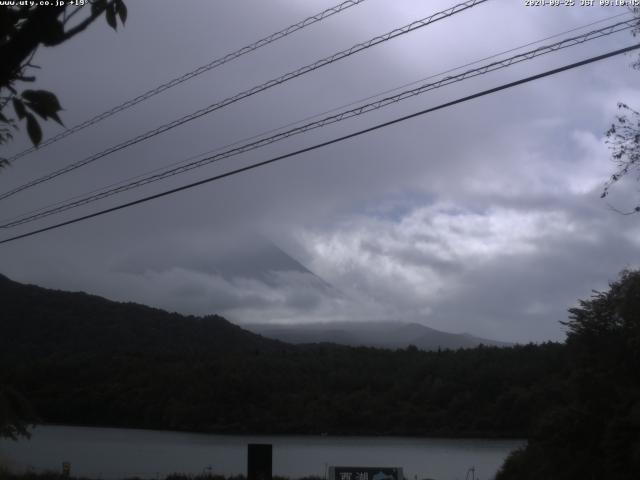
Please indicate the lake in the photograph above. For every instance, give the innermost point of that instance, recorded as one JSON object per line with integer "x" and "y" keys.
{"x": 111, "y": 453}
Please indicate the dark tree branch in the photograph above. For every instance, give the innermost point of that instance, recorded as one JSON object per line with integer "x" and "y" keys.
{"x": 41, "y": 26}
{"x": 22, "y": 31}
{"x": 71, "y": 15}
{"x": 86, "y": 22}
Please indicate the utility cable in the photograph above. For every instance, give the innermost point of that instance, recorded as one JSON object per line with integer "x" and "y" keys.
{"x": 328, "y": 142}
{"x": 189, "y": 75}
{"x": 311, "y": 117}
{"x": 252, "y": 91}
{"x": 491, "y": 67}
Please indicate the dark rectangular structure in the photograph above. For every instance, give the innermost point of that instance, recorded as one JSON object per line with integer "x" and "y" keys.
{"x": 259, "y": 461}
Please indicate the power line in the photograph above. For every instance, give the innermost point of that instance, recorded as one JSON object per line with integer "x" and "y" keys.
{"x": 252, "y": 91}
{"x": 311, "y": 117}
{"x": 194, "y": 73}
{"x": 317, "y": 115}
{"x": 491, "y": 67}
{"x": 328, "y": 142}
{"x": 333, "y": 119}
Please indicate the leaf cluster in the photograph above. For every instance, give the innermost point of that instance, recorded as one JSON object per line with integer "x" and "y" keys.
{"x": 623, "y": 138}
{"x": 23, "y": 29}
{"x": 41, "y": 102}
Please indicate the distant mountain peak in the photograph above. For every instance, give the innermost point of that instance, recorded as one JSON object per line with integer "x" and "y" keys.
{"x": 385, "y": 334}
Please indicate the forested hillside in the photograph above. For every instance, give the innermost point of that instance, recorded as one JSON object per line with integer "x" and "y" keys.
{"x": 82, "y": 359}
{"x": 481, "y": 392}
{"x": 39, "y": 322}
{"x": 590, "y": 426}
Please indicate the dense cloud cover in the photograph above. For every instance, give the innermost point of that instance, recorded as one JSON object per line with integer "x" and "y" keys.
{"x": 482, "y": 218}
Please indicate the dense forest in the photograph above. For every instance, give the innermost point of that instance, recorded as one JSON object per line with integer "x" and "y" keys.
{"x": 593, "y": 429}
{"x": 483, "y": 392}
{"x": 81, "y": 359}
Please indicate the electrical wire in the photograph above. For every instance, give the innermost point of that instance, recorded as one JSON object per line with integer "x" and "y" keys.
{"x": 317, "y": 115}
{"x": 311, "y": 117}
{"x": 252, "y": 91}
{"x": 491, "y": 67}
{"x": 326, "y": 143}
{"x": 189, "y": 75}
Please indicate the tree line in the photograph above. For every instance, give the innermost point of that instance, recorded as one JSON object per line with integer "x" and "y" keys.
{"x": 577, "y": 403}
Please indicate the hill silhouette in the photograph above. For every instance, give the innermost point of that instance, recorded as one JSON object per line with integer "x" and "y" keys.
{"x": 40, "y": 321}
{"x": 83, "y": 360}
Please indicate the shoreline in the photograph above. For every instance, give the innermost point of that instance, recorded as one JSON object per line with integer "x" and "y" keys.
{"x": 462, "y": 436}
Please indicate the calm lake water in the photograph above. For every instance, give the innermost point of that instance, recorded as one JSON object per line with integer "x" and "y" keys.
{"x": 110, "y": 453}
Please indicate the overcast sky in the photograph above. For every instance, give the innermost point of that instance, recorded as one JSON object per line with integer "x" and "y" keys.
{"x": 482, "y": 218}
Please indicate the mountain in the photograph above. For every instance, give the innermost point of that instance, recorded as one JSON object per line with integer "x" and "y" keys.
{"x": 40, "y": 321}
{"x": 371, "y": 334}
{"x": 253, "y": 257}
{"x": 81, "y": 359}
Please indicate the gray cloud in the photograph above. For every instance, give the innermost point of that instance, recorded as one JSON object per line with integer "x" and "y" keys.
{"x": 482, "y": 218}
